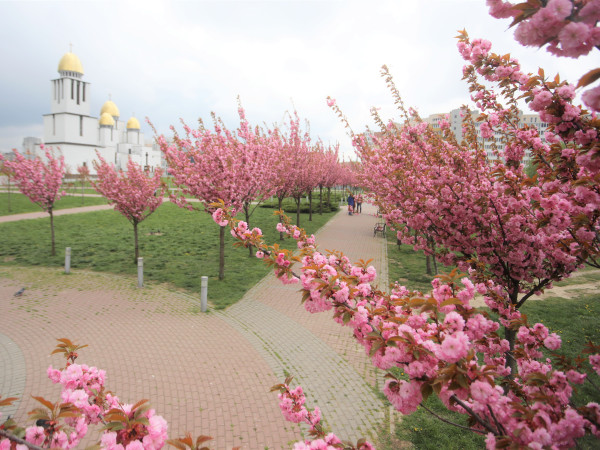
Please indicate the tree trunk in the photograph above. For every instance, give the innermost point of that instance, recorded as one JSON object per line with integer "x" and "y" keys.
{"x": 510, "y": 336}
{"x": 310, "y": 206}
{"x": 431, "y": 244}
{"x": 9, "y": 194}
{"x": 82, "y": 183}
{"x": 428, "y": 263}
{"x": 222, "y": 253}
{"x": 298, "y": 200}
{"x": 53, "y": 252}
{"x": 247, "y": 213}
{"x": 329, "y": 198}
{"x": 320, "y": 199}
{"x": 135, "y": 239}
{"x": 280, "y": 199}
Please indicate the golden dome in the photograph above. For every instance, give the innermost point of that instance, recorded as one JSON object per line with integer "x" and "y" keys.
{"x": 110, "y": 108}
{"x": 133, "y": 124}
{"x": 70, "y": 63}
{"x": 106, "y": 119}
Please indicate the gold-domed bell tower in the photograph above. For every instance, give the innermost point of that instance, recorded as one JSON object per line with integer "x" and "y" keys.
{"x": 70, "y": 94}
{"x": 133, "y": 131}
{"x": 107, "y": 130}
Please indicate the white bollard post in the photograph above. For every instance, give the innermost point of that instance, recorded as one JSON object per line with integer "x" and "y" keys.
{"x": 203, "y": 293}
{"x": 140, "y": 272}
{"x": 68, "y": 260}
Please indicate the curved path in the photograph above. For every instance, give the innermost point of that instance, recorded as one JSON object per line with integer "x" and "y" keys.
{"x": 205, "y": 373}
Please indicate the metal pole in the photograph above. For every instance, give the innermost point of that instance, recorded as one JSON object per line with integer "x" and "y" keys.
{"x": 68, "y": 260}
{"x": 203, "y": 293}
{"x": 140, "y": 272}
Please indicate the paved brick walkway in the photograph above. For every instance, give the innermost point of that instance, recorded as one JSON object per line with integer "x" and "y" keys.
{"x": 205, "y": 373}
{"x": 58, "y": 212}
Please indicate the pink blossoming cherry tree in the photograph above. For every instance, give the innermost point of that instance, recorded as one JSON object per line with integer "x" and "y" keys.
{"x": 134, "y": 193}
{"x": 40, "y": 181}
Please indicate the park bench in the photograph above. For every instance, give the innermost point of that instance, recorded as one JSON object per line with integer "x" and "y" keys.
{"x": 379, "y": 228}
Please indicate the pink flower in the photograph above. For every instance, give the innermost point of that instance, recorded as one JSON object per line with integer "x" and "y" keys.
{"x": 53, "y": 374}
{"x": 573, "y": 35}
{"x": 595, "y": 363}
{"x": 591, "y": 98}
{"x": 218, "y": 218}
{"x": 134, "y": 445}
{"x": 454, "y": 347}
{"x": 330, "y": 101}
{"x": 405, "y": 396}
{"x": 482, "y": 392}
{"x": 553, "y": 342}
{"x": 35, "y": 435}
{"x": 454, "y": 322}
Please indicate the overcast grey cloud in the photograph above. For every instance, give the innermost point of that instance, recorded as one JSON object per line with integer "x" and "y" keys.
{"x": 184, "y": 59}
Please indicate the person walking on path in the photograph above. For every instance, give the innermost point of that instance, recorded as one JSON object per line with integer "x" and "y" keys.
{"x": 350, "y": 204}
{"x": 359, "y": 201}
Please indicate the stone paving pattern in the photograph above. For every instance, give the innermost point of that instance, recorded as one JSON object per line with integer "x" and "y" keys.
{"x": 205, "y": 373}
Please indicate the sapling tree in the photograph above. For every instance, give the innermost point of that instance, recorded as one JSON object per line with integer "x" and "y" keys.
{"x": 40, "y": 181}
{"x": 135, "y": 193}
{"x": 5, "y": 171}
{"x": 283, "y": 160}
{"x": 84, "y": 173}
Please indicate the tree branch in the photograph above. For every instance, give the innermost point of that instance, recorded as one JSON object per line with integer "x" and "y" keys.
{"x": 473, "y": 414}
{"x": 448, "y": 421}
{"x": 10, "y": 437}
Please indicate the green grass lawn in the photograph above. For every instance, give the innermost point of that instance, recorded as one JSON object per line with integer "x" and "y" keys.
{"x": 408, "y": 266}
{"x": 19, "y": 203}
{"x": 186, "y": 248}
{"x": 576, "y": 321}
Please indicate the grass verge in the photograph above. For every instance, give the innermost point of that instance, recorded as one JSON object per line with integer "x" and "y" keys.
{"x": 178, "y": 247}
{"x": 19, "y": 203}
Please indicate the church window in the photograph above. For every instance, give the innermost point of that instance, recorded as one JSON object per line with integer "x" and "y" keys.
{"x": 72, "y": 87}
{"x": 83, "y": 92}
{"x": 53, "y": 124}
{"x": 80, "y": 125}
{"x": 78, "y": 89}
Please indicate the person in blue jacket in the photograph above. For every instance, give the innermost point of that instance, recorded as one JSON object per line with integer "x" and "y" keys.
{"x": 350, "y": 204}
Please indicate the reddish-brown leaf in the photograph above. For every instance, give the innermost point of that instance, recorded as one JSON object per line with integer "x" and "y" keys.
{"x": 589, "y": 78}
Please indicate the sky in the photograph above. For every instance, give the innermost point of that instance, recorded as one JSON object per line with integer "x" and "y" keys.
{"x": 185, "y": 59}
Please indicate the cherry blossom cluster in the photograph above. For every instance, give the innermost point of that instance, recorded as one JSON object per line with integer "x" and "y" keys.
{"x": 292, "y": 404}
{"x": 446, "y": 347}
{"x": 565, "y": 195}
{"x": 566, "y": 27}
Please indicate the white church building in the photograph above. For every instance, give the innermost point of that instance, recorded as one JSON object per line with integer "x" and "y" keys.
{"x": 73, "y": 132}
